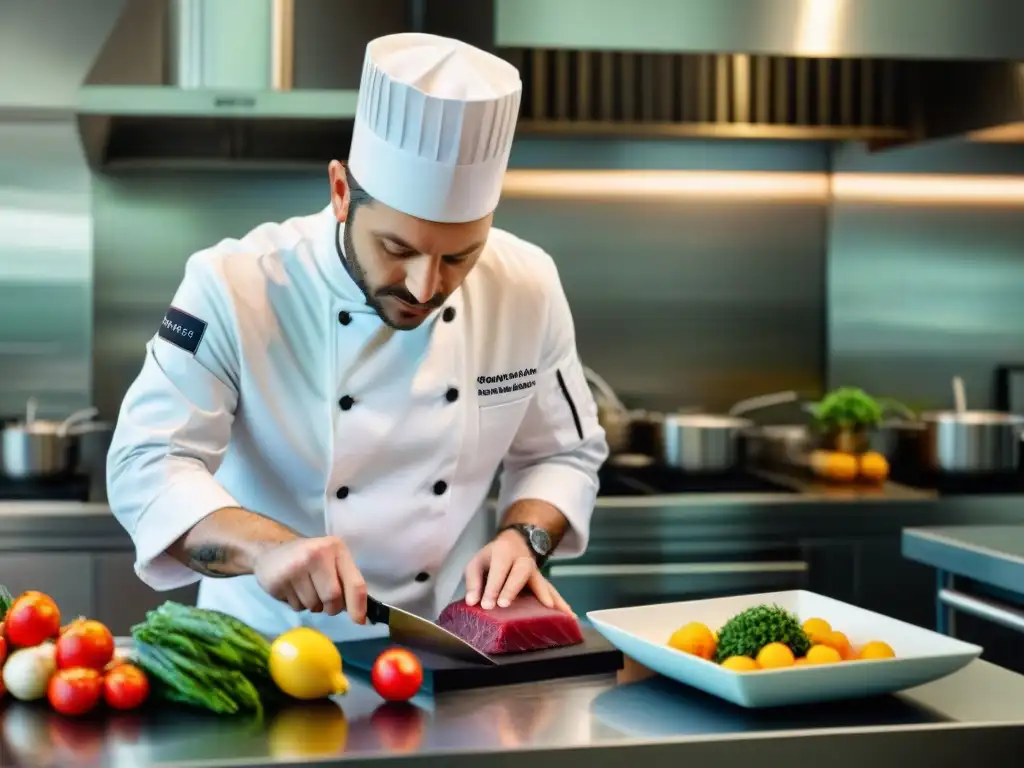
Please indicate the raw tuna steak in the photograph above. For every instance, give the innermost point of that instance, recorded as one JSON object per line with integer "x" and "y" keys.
{"x": 526, "y": 625}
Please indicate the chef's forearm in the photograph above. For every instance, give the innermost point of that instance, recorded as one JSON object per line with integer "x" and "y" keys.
{"x": 227, "y": 542}
{"x": 539, "y": 513}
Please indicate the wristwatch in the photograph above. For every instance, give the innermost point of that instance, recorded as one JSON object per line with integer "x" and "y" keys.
{"x": 537, "y": 539}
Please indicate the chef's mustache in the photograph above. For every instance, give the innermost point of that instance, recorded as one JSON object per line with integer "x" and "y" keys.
{"x": 400, "y": 293}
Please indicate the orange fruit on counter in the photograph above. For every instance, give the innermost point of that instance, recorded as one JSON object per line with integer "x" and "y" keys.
{"x": 740, "y": 664}
{"x": 834, "y": 465}
{"x": 694, "y": 638}
{"x": 801, "y": 662}
{"x": 876, "y": 649}
{"x": 839, "y": 641}
{"x": 874, "y": 466}
{"x": 775, "y": 656}
{"x": 823, "y": 654}
{"x": 816, "y": 628}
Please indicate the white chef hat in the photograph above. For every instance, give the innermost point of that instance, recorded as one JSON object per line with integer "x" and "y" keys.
{"x": 434, "y": 126}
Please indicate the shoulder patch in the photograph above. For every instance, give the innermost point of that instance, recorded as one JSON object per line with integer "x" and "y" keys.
{"x": 182, "y": 330}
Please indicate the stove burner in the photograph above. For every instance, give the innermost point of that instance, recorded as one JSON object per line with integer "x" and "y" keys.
{"x": 65, "y": 488}
{"x": 655, "y": 480}
{"x": 957, "y": 484}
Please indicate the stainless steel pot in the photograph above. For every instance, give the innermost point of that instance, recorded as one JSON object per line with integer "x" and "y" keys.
{"x": 785, "y": 445}
{"x": 966, "y": 442}
{"x": 971, "y": 441}
{"x": 36, "y": 450}
{"x": 41, "y": 448}
{"x": 627, "y": 432}
{"x": 704, "y": 442}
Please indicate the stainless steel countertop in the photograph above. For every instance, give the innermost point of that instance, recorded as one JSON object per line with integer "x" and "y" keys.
{"x": 990, "y": 554}
{"x": 602, "y": 720}
{"x": 56, "y": 526}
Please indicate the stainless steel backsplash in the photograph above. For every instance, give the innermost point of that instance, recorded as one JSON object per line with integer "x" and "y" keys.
{"x": 682, "y": 302}
{"x": 45, "y": 268}
{"x": 677, "y": 302}
{"x": 925, "y": 284}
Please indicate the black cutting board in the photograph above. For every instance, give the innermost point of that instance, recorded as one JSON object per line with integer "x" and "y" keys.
{"x": 593, "y": 656}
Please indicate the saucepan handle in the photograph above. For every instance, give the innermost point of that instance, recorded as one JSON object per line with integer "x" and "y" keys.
{"x": 376, "y": 612}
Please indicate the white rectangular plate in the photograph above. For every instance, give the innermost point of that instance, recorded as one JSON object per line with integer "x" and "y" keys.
{"x": 642, "y": 633}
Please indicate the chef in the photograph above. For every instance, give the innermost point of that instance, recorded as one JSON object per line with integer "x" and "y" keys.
{"x": 323, "y": 409}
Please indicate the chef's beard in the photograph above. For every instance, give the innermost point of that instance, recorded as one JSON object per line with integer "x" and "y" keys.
{"x": 350, "y": 259}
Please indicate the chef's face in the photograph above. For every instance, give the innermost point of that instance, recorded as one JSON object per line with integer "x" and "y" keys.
{"x": 407, "y": 267}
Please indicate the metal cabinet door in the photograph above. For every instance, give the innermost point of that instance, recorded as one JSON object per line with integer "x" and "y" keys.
{"x": 65, "y": 577}
{"x": 122, "y": 598}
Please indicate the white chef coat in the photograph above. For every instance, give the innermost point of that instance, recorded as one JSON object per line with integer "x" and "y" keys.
{"x": 300, "y": 404}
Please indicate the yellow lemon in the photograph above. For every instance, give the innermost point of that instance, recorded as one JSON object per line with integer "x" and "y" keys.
{"x": 694, "y": 638}
{"x": 823, "y": 654}
{"x": 775, "y": 655}
{"x": 740, "y": 664}
{"x": 876, "y": 649}
{"x": 305, "y": 664}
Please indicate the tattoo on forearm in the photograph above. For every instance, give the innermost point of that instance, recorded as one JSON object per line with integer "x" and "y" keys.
{"x": 209, "y": 560}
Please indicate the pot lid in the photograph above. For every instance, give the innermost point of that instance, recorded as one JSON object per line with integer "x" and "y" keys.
{"x": 707, "y": 420}
{"x": 973, "y": 417}
{"x": 36, "y": 426}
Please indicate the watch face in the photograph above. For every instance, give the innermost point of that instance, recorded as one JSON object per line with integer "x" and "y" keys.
{"x": 540, "y": 541}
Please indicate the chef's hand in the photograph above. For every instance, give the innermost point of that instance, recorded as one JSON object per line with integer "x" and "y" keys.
{"x": 508, "y": 566}
{"x": 318, "y": 575}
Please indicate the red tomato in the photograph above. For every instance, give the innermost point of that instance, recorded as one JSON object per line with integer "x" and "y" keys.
{"x": 75, "y": 691}
{"x": 85, "y": 643}
{"x": 3, "y": 647}
{"x": 397, "y": 675}
{"x": 125, "y": 687}
{"x": 32, "y": 618}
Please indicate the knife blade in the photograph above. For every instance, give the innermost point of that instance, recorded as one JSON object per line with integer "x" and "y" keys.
{"x": 416, "y": 632}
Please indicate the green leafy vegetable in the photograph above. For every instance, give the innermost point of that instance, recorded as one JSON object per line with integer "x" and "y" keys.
{"x": 847, "y": 409}
{"x": 6, "y": 598}
{"x": 205, "y": 659}
{"x": 746, "y": 633}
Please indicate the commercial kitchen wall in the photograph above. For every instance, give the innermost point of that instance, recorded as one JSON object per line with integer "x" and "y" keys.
{"x": 46, "y": 46}
{"x": 46, "y": 270}
{"x": 693, "y": 300}
{"x": 926, "y": 277}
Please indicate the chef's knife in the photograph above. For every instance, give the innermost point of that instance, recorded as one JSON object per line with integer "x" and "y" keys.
{"x": 416, "y": 632}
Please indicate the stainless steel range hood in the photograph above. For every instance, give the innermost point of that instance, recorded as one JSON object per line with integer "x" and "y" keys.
{"x": 887, "y": 71}
{"x": 258, "y": 83}
{"x": 976, "y": 30}
{"x": 213, "y": 82}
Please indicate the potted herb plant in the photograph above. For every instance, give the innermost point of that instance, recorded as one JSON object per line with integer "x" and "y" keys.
{"x": 845, "y": 418}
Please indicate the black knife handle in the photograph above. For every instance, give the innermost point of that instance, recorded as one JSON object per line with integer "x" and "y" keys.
{"x": 376, "y": 613}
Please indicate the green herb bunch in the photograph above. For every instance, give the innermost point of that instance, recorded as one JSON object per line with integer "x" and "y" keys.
{"x": 746, "y": 633}
{"x": 847, "y": 408}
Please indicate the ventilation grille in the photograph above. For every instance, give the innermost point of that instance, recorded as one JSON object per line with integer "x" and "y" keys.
{"x": 713, "y": 94}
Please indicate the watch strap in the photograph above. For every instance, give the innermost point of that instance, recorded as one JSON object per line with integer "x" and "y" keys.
{"x": 524, "y": 530}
